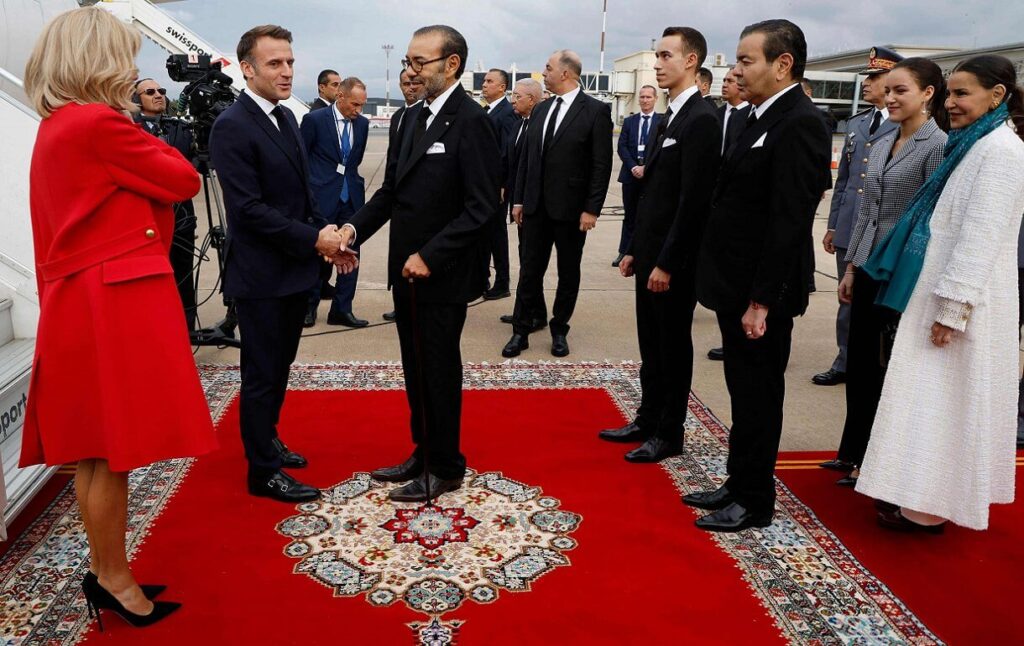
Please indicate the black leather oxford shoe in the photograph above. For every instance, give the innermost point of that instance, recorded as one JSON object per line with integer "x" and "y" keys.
{"x": 896, "y": 521}
{"x": 655, "y": 449}
{"x": 515, "y": 346}
{"x": 416, "y": 491}
{"x": 388, "y": 316}
{"x": 407, "y": 470}
{"x": 829, "y": 378}
{"x": 628, "y": 433}
{"x": 497, "y": 293}
{"x": 733, "y": 518}
{"x": 310, "y": 318}
{"x": 710, "y": 500}
{"x": 289, "y": 459}
{"x": 559, "y": 345}
{"x": 847, "y": 481}
{"x": 281, "y": 486}
{"x": 838, "y": 465}
{"x": 716, "y": 354}
{"x": 348, "y": 319}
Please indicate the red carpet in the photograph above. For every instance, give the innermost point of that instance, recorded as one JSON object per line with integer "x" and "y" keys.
{"x": 641, "y": 572}
{"x": 966, "y": 586}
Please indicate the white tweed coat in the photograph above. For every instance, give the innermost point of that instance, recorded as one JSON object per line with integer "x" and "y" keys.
{"x": 943, "y": 441}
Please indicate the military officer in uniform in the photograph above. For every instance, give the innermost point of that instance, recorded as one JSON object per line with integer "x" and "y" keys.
{"x": 863, "y": 130}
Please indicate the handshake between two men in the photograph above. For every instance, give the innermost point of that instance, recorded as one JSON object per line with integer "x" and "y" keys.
{"x": 334, "y": 245}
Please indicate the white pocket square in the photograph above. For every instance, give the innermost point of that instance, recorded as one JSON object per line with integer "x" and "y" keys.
{"x": 435, "y": 148}
{"x": 669, "y": 141}
{"x": 760, "y": 142}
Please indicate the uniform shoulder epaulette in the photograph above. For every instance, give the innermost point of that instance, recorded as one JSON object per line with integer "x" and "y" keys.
{"x": 863, "y": 112}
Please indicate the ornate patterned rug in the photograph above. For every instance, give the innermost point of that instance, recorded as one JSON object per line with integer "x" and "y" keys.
{"x": 551, "y": 525}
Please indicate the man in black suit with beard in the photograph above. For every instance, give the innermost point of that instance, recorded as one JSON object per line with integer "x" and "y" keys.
{"x": 754, "y": 262}
{"x": 440, "y": 193}
{"x": 675, "y": 194}
{"x": 560, "y": 190}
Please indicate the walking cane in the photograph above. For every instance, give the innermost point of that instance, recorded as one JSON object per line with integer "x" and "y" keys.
{"x": 417, "y": 344}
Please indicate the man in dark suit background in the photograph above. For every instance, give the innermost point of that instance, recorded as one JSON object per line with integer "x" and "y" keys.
{"x": 560, "y": 189}
{"x": 704, "y": 80}
{"x": 440, "y": 194}
{"x": 504, "y": 119}
{"x": 753, "y": 262}
{"x": 275, "y": 240}
{"x": 733, "y": 114}
{"x": 675, "y": 194}
{"x": 636, "y": 136}
{"x": 335, "y": 141}
{"x": 327, "y": 84}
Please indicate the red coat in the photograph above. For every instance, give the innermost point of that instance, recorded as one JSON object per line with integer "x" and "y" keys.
{"x": 113, "y": 375}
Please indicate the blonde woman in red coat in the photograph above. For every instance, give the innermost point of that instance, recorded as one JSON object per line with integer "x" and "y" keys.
{"x": 110, "y": 391}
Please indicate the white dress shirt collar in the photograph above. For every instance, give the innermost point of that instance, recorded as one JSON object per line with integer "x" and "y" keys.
{"x": 885, "y": 113}
{"x": 494, "y": 104}
{"x": 265, "y": 105}
{"x": 570, "y": 96}
{"x": 677, "y": 103}
{"x": 738, "y": 106}
{"x": 761, "y": 110}
{"x": 438, "y": 103}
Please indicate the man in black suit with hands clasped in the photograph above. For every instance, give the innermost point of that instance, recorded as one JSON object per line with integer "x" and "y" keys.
{"x": 754, "y": 262}
{"x": 675, "y": 194}
{"x": 276, "y": 237}
{"x": 440, "y": 193}
{"x": 560, "y": 190}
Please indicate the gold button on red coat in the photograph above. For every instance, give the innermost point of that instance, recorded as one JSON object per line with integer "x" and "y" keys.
{"x": 150, "y": 233}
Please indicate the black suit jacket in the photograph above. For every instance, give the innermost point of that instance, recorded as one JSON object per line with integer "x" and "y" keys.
{"x": 273, "y": 223}
{"x": 675, "y": 193}
{"x": 756, "y": 243}
{"x": 439, "y": 203}
{"x": 317, "y": 104}
{"x": 506, "y": 122}
{"x": 513, "y": 155}
{"x": 737, "y": 123}
{"x": 573, "y": 176}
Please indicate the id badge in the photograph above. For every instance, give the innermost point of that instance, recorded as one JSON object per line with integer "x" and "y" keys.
{"x": 641, "y": 148}
{"x": 341, "y": 169}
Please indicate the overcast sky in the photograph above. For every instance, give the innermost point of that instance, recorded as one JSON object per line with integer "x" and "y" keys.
{"x": 347, "y": 36}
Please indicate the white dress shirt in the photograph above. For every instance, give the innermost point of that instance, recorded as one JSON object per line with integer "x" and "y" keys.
{"x": 640, "y": 126}
{"x": 265, "y": 105}
{"x": 492, "y": 106}
{"x": 760, "y": 110}
{"x": 339, "y": 122}
{"x": 438, "y": 103}
{"x": 567, "y": 100}
{"x": 729, "y": 109}
{"x": 677, "y": 103}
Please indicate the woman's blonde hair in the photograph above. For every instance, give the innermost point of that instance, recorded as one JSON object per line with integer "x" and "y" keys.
{"x": 83, "y": 56}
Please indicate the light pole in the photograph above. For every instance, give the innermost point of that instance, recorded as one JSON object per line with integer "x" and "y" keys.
{"x": 387, "y": 74}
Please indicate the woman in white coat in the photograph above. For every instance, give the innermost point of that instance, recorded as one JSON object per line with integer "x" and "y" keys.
{"x": 942, "y": 444}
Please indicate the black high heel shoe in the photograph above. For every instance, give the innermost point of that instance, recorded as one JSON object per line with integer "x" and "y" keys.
{"x": 151, "y": 591}
{"x": 97, "y": 597}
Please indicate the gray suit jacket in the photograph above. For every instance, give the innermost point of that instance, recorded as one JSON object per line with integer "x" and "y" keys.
{"x": 890, "y": 185}
{"x": 853, "y": 163}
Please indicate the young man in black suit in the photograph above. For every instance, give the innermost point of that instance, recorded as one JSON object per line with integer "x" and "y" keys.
{"x": 560, "y": 190}
{"x": 328, "y": 82}
{"x": 275, "y": 240}
{"x": 753, "y": 262}
{"x": 675, "y": 195}
{"x": 440, "y": 193}
{"x": 505, "y": 121}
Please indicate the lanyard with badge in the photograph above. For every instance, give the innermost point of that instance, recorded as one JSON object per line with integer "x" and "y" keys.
{"x": 341, "y": 149}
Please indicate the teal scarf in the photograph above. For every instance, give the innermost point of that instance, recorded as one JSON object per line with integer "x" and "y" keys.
{"x": 897, "y": 261}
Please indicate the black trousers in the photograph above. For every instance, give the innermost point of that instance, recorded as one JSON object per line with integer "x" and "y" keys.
{"x": 183, "y": 258}
{"x": 270, "y": 329}
{"x": 499, "y": 250}
{"x": 865, "y": 366}
{"x": 433, "y": 386}
{"x": 540, "y": 234}
{"x": 630, "y": 199}
{"x": 663, "y": 323}
{"x": 755, "y": 373}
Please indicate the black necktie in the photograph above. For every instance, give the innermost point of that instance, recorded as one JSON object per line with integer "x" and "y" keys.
{"x": 284, "y": 126}
{"x": 751, "y": 118}
{"x": 549, "y": 133}
{"x": 662, "y": 125}
{"x": 421, "y": 124}
{"x": 875, "y": 122}
{"x": 522, "y": 130}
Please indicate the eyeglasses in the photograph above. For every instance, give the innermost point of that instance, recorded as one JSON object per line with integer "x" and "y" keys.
{"x": 151, "y": 91}
{"x": 417, "y": 66}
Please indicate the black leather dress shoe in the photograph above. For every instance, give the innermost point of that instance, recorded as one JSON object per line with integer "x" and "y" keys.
{"x": 388, "y": 316}
{"x": 716, "y": 354}
{"x": 515, "y": 345}
{"x": 416, "y": 491}
{"x": 289, "y": 459}
{"x": 733, "y": 518}
{"x": 559, "y": 345}
{"x": 507, "y": 318}
{"x": 348, "y": 319}
{"x": 896, "y": 521}
{"x": 838, "y": 465}
{"x": 881, "y": 505}
{"x": 327, "y": 291}
{"x": 310, "y": 319}
{"x": 655, "y": 449}
{"x": 281, "y": 486}
{"x": 710, "y": 500}
{"x": 496, "y": 293}
{"x": 618, "y": 259}
{"x": 847, "y": 481}
{"x": 829, "y": 378}
{"x": 538, "y": 324}
{"x": 407, "y": 470}
{"x": 628, "y": 433}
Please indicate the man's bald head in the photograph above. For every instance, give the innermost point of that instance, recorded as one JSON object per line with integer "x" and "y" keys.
{"x": 562, "y": 71}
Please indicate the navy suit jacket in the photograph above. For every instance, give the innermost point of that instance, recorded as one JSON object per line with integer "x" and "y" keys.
{"x": 273, "y": 221}
{"x": 629, "y": 139}
{"x": 320, "y": 136}
{"x": 506, "y": 123}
